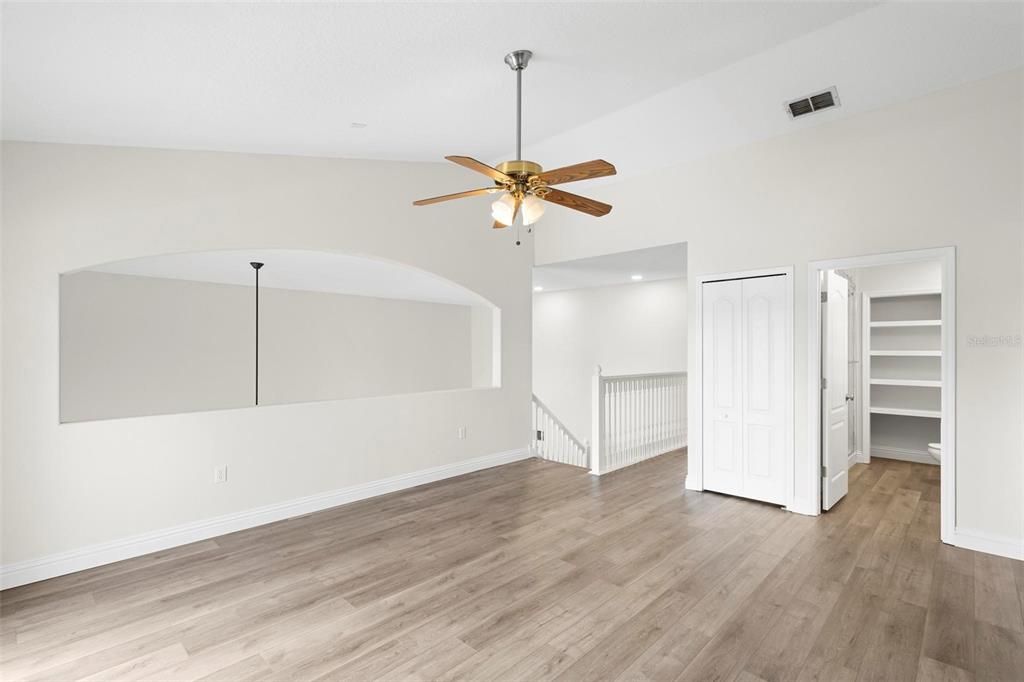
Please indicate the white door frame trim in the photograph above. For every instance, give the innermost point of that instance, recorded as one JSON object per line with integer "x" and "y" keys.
{"x": 695, "y": 458}
{"x": 811, "y": 468}
{"x": 865, "y": 380}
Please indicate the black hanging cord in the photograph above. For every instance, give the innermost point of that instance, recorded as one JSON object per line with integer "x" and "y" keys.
{"x": 256, "y": 266}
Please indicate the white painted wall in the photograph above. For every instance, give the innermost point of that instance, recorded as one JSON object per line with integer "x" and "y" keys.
{"x": 317, "y": 346}
{"x": 485, "y": 363}
{"x": 67, "y": 207}
{"x": 904, "y": 277}
{"x": 634, "y": 328}
{"x": 945, "y": 169}
{"x": 133, "y": 346}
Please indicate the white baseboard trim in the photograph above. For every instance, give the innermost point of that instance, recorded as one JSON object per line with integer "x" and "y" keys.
{"x": 904, "y": 455}
{"x": 33, "y": 570}
{"x": 989, "y": 544}
{"x": 679, "y": 446}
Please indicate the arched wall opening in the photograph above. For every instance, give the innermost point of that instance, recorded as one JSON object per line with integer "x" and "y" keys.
{"x": 178, "y": 333}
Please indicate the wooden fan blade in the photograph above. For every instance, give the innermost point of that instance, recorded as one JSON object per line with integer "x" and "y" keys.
{"x": 457, "y": 195}
{"x": 499, "y": 226}
{"x": 577, "y": 203}
{"x": 581, "y": 171}
{"x": 479, "y": 167}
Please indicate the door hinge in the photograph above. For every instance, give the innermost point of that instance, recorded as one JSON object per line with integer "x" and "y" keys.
{"x": 823, "y": 472}
{"x": 540, "y": 435}
{"x": 824, "y": 297}
{"x": 824, "y": 383}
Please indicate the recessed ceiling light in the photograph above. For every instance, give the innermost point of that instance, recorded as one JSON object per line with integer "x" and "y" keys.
{"x": 355, "y": 124}
{"x": 637, "y": 278}
{"x": 538, "y": 288}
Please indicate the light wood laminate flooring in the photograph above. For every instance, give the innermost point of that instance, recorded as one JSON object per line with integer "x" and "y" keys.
{"x": 538, "y": 571}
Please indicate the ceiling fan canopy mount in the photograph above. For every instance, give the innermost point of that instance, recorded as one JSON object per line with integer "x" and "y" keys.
{"x": 518, "y": 60}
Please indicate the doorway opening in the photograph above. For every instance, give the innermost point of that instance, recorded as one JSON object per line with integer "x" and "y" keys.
{"x": 609, "y": 358}
{"x": 882, "y": 368}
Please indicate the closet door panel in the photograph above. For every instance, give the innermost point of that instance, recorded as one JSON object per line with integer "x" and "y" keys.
{"x": 764, "y": 382}
{"x": 721, "y": 304}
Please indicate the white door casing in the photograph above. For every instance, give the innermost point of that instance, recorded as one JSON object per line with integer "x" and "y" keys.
{"x": 745, "y": 339}
{"x": 808, "y": 469}
{"x": 865, "y": 379}
{"x": 835, "y": 356}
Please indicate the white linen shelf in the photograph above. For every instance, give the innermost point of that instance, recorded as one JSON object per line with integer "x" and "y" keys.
{"x": 905, "y": 373}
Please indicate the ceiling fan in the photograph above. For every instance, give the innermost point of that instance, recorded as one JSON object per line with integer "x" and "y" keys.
{"x": 525, "y": 186}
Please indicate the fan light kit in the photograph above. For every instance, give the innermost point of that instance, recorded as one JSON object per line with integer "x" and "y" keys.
{"x": 525, "y": 186}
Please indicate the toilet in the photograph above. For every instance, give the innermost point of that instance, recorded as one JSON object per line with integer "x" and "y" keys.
{"x": 935, "y": 450}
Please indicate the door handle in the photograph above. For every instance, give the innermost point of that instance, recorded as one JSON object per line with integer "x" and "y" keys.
{"x": 849, "y": 398}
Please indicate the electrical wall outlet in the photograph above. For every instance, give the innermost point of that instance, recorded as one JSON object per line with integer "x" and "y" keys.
{"x": 462, "y": 433}
{"x": 220, "y": 474}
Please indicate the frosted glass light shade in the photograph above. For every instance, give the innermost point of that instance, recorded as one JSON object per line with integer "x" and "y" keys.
{"x": 533, "y": 209}
{"x": 503, "y": 210}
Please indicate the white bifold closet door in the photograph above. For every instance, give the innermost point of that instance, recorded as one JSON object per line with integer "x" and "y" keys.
{"x": 745, "y": 388}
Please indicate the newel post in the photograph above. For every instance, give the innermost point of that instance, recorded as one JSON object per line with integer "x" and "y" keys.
{"x": 597, "y": 422}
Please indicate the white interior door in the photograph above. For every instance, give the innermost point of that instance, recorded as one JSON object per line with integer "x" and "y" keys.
{"x": 745, "y": 339}
{"x": 765, "y": 385}
{"x": 835, "y": 354}
{"x": 721, "y": 304}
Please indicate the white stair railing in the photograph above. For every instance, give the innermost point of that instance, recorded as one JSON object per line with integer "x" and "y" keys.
{"x": 553, "y": 441}
{"x": 636, "y": 417}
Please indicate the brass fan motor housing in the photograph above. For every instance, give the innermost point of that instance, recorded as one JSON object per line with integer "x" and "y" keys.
{"x": 519, "y": 167}
{"x": 525, "y": 178}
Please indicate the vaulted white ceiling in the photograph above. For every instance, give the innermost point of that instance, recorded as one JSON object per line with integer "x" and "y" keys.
{"x": 642, "y": 84}
{"x": 428, "y": 79}
{"x": 875, "y": 58}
